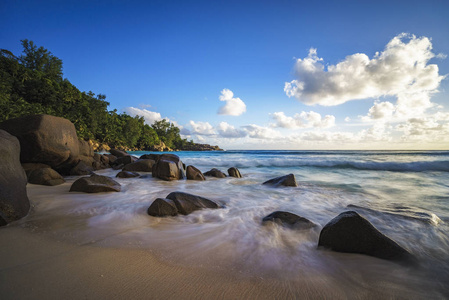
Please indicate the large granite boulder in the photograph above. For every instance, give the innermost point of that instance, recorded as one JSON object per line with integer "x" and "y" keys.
{"x": 45, "y": 139}
{"x": 162, "y": 208}
{"x": 193, "y": 173}
{"x": 95, "y": 184}
{"x": 45, "y": 176}
{"x": 30, "y": 167}
{"x": 124, "y": 160}
{"x": 349, "y": 232}
{"x": 152, "y": 156}
{"x": 141, "y": 165}
{"x": 234, "y": 172}
{"x": 187, "y": 203}
{"x": 169, "y": 167}
{"x": 14, "y": 203}
{"x": 286, "y": 180}
{"x": 118, "y": 153}
{"x": 215, "y": 173}
{"x": 86, "y": 154}
{"x": 81, "y": 169}
{"x": 288, "y": 219}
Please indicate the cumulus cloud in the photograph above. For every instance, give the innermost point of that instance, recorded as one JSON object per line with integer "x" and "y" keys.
{"x": 228, "y": 131}
{"x": 201, "y": 128}
{"x": 401, "y": 71}
{"x": 303, "y": 120}
{"x": 149, "y": 116}
{"x": 233, "y": 106}
{"x": 260, "y": 132}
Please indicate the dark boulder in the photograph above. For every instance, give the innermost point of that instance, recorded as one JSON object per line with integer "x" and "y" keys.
{"x": 111, "y": 159}
{"x": 124, "y": 160}
{"x": 286, "y": 180}
{"x": 14, "y": 203}
{"x": 215, "y": 173}
{"x": 127, "y": 174}
{"x": 29, "y": 167}
{"x": 351, "y": 233}
{"x": 81, "y": 169}
{"x": 162, "y": 208}
{"x": 169, "y": 167}
{"x": 188, "y": 203}
{"x": 141, "y": 165}
{"x": 288, "y": 219}
{"x": 45, "y": 139}
{"x": 234, "y": 172}
{"x": 118, "y": 153}
{"x": 45, "y": 176}
{"x": 193, "y": 173}
{"x": 152, "y": 156}
{"x": 95, "y": 184}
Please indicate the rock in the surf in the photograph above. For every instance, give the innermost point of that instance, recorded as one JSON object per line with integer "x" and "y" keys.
{"x": 14, "y": 203}
{"x": 95, "y": 184}
{"x": 127, "y": 174}
{"x": 215, "y": 173}
{"x": 45, "y": 176}
{"x": 162, "y": 207}
{"x": 81, "y": 169}
{"x": 168, "y": 167}
{"x": 141, "y": 165}
{"x": 188, "y": 203}
{"x": 194, "y": 174}
{"x": 286, "y": 180}
{"x": 288, "y": 219}
{"x": 118, "y": 153}
{"x": 234, "y": 172}
{"x": 351, "y": 233}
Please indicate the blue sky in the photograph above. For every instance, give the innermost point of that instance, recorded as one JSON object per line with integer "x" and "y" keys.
{"x": 175, "y": 59}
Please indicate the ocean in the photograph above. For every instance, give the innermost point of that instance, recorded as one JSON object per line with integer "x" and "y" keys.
{"x": 404, "y": 194}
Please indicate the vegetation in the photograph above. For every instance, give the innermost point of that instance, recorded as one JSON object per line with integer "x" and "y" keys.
{"x": 33, "y": 83}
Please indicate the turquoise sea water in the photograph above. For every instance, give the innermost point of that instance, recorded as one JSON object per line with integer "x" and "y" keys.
{"x": 405, "y": 194}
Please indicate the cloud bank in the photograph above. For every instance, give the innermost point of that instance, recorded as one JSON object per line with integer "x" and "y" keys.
{"x": 302, "y": 120}
{"x": 401, "y": 70}
{"x": 233, "y": 106}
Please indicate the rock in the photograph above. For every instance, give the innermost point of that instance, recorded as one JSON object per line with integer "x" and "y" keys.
{"x": 201, "y": 147}
{"x": 351, "y": 233}
{"x": 286, "y": 180}
{"x": 45, "y": 139}
{"x": 29, "y": 167}
{"x": 162, "y": 147}
{"x": 95, "y": 184}
{"x": 141, "y": 165}
{"x": 194, "y": 174}
{"x": 45, "y": 176}
{"x": 288, "y": 219}
{"x": 127, "y": 174}
{"x": 124, "y": 160}
{"x": 234, "y": 172}
{"x": 104, "y": 159}
{"x": 81, "y": 169}
{"x": 85, "y": 148}
{"x": 162, "y": 208}
{"x": 111, "y": 158}
{"x": 168, "y": 167}
{"x": 187, "y": 203}
{"x": 118, "y": 153}
{"x": 215, "y": 173}
{"x": 152, "y": 156}
{"x": 14, "y": 203}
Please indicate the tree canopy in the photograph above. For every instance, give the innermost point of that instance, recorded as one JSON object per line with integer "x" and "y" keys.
{"x": 33, "y": 83}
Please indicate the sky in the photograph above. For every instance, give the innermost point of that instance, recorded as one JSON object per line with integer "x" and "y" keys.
{"x": 257, "y": 74}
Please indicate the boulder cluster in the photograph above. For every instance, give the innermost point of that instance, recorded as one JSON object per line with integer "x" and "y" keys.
{"x": 40, "y": 149}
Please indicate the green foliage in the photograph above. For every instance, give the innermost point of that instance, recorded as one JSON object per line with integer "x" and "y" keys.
{"x": 33, "y": 83}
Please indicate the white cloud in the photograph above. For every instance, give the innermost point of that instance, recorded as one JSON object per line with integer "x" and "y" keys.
{"x": 260, "y": 132}
{"x": 233, "y": 106}
{"x": 303, "y": 120}
{"x": 228, "y": 131}
{"x": 149, "y": 116}
{"x": 201, "y": 128}
{"x": 401, "y": 70}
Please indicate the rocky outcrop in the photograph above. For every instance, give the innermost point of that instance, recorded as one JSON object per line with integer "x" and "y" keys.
{"x": 349, "y": 232}
{"x": 287, "y": 180}
{"x": 201, "y": 147}
{"x": 141, "y": 165}
{"x": 45, "y": 176}
{"x": 161, "y": 147}
{"x": 168, "y": 167}
{"x": 215, "y": 173}
{"x": 45, "y": 139}
{"x": 234, "y": 172}
{"x": 95, "y": 184}
{"x": 14, "y": 203}
{"x": 193, "y": 173}
{"x": 288, "y": 219}
{"x": 127, "y": 174}
{"x": 179, "y": 203}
